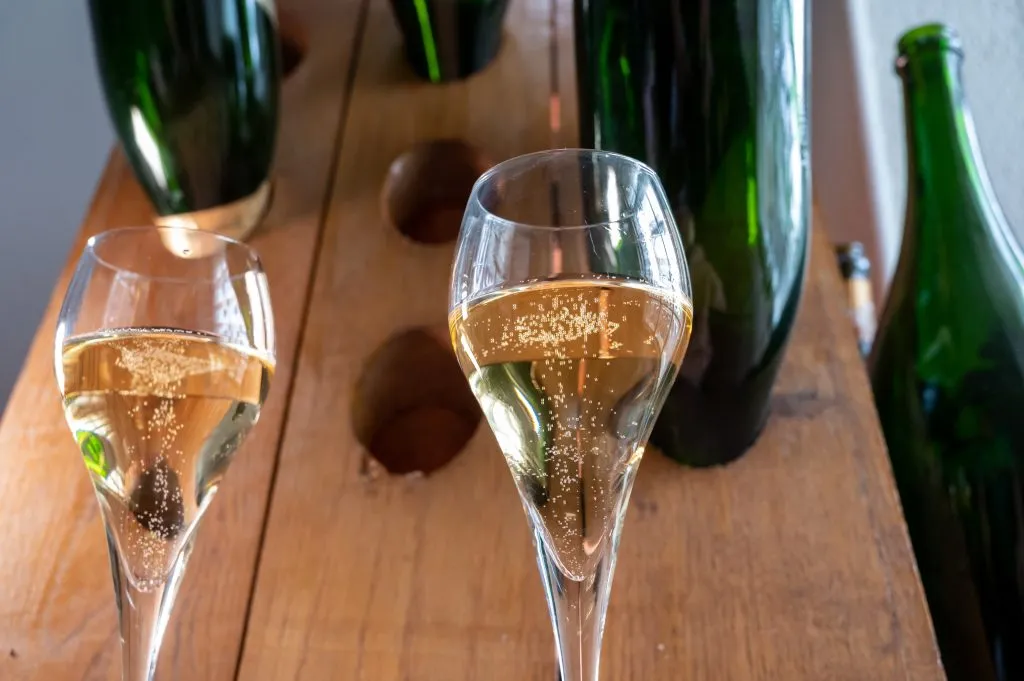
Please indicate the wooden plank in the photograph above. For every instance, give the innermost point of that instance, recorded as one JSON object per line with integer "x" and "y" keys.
{"x": 57, "y": 615}
{"x": 795, "y": 562}
{"x": 791, "y": 564}
{"x": 390, "y": 578}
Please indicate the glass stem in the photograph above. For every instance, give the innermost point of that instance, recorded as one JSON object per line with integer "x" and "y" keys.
{"x": 577, "y": 610}
{"x": 143, "y": 613}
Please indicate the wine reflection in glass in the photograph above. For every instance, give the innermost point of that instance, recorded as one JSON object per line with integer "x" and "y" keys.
{"x": 164, "y": 353}
{"x": 570, "y": 313}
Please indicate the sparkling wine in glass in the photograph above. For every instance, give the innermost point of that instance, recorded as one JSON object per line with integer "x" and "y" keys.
{"x": 570, "y": 314}
{"x": 164, "y": 353}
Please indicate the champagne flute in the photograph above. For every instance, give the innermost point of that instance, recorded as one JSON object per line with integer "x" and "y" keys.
{"x": 164, "y": 353}
{"x": 570, "y": 313}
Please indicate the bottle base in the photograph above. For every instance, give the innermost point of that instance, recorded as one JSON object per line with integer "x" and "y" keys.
{"x": 448, "y": 73}
{"x": 700, "y": 431}
{"x": 237, "y": 220}
{"x": 717, "y": 457}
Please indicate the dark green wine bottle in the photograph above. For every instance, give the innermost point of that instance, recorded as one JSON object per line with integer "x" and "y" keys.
{"x": 449, "y": 39}
{"x": 192, "y": 89}
{"x": 713, "y": 95}
{"x": 947, "y": 371}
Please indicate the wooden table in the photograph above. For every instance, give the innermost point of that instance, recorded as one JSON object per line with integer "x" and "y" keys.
{"x": 791, "y": 564}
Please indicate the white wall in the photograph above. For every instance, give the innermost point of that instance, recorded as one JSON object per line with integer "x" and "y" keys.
{"x": 54, "y": 139}
{"x": 872, "y": 211}
{"x": 993, "y": 79}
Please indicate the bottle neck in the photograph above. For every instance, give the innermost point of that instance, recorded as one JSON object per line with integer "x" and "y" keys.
{"x": 951, "y": 206}
{"x": 941, "y": 156}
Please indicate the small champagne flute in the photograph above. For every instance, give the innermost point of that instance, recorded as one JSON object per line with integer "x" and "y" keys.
{"x": 570, "y": 313}
{"x": 164, "y": 353}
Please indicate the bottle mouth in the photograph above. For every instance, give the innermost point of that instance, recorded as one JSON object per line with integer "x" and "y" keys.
{"x": 929, "y": 38}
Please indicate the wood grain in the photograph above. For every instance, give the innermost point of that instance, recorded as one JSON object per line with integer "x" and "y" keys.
{"x": 792, "y": 564}
{"x": 392, "y": 577}
{"x": 57, "y": 615}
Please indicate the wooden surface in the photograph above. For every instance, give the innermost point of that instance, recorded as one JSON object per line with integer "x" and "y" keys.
{"x": 57, "y": 616}
{"x": 313, "y": 563}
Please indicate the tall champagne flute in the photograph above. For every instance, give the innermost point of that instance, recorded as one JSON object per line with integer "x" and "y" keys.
{"x": 164, "y": 353}
{"x": 570, "y": 314}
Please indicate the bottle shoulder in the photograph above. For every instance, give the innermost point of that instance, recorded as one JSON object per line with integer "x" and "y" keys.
{"x": 952, "y": 303}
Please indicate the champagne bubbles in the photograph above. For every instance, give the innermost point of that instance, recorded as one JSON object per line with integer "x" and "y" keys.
{"x": 564, "y": 372}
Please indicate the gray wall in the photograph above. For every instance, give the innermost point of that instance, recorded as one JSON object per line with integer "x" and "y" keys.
{"x": 54, "y": 140}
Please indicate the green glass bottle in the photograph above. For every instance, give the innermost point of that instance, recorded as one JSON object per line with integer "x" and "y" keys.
{"x": 449, "y": 39}
{"x": 713, "y": 95}
{"x": 947, "y": 370}
{"x": 192, "y": 89}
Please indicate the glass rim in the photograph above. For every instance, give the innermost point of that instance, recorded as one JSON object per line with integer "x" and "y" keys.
{"x": 251, "y": 256}
{"x": 505, "y": 223}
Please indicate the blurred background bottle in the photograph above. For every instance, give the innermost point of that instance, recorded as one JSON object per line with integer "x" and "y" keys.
{"x": 192, "y": 89}
{"x": 449, "y": 39}
{"x": 947, "y": 371}
{"x": 855, "y": 269}
{"x": 713, "y": 95}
